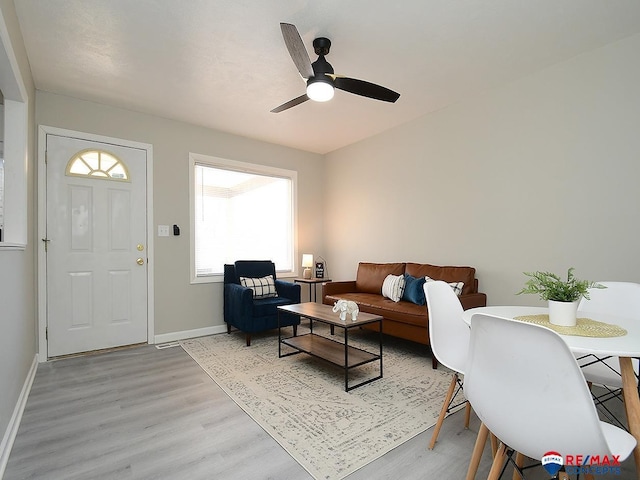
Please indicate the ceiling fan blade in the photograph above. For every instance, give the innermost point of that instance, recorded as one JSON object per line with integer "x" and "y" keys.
{"x": 291, "y": 103}
{"x": 366, "y": 89}
{"x": 297, "y": 50}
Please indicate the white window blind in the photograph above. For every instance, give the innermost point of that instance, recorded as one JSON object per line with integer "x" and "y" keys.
{"x": 241, "y": 215}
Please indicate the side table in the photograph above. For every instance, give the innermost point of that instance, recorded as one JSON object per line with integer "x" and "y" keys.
{"x": 312, "y": 282}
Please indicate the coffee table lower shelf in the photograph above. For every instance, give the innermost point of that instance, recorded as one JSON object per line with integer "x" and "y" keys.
{"x": 334, "y": 352}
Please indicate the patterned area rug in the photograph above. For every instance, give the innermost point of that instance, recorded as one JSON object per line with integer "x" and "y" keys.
{"x": 300, "y": 401}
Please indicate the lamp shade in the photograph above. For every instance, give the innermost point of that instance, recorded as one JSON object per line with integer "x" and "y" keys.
{"x": 307, "y": 260}
{"x": 307, "y": 263}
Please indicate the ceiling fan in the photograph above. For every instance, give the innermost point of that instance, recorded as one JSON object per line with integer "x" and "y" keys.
{"x": 321, "y": 81}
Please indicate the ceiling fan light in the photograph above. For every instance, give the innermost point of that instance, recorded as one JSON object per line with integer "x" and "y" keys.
{"x": 320, "y": 90}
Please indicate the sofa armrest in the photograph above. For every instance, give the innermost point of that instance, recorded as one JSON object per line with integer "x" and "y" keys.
{"x": 238, "y": 304}
{"x": 336, "y": 288}
{"x": 288, "y": 290}
{"x": 472, "y": 300}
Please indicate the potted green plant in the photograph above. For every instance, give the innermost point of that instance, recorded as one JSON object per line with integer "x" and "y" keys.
{"x": 563, "y": 295}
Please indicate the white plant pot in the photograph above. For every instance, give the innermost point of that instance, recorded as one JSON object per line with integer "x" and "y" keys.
{"x": 563, "y": 313}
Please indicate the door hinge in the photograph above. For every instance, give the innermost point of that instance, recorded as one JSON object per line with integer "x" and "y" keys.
{"x": 46, "y": 156}
{"x": 46, "y": 243}
{"x": 46, "y": 333}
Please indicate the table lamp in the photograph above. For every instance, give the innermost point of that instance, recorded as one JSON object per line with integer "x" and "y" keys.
{"x": 307, "y": 263}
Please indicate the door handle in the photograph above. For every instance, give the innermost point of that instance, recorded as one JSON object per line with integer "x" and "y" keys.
{"x": 140, "y": 261}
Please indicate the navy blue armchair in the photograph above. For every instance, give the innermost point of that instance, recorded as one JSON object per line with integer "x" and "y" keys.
{"x": 253, "y": 307}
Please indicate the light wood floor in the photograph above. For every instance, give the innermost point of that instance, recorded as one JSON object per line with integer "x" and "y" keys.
{"x": 144, "y": 413}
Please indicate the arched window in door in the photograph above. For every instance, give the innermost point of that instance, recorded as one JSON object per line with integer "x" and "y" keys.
{"x": 98, "y": 164}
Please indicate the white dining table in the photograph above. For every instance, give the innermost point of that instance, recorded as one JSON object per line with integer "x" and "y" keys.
{"x": 624, "y": 347}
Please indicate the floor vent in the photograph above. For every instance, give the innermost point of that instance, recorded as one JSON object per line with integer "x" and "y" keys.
{"x": 162, "y": 346}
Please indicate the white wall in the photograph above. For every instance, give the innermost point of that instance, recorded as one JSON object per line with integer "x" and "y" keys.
{"x": 180, "y": 306}
{"x": 542, "y": 174}
{"x": 1, "y": 165}
{"x": 17, "y": 279}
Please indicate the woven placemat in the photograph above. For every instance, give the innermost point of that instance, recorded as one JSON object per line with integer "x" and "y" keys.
{"x": 585, "y": 327}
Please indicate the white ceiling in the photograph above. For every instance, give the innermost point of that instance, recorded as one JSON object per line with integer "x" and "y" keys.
{"x": 223, "y": 64}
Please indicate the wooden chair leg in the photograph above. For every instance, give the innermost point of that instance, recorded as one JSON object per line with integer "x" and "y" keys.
{"x": 443, "y": 411}
{"x": 631, "y": 402}
{"x": 498, "y": 463}
{"x": 478, "y": 448}
{"x": 248, "y": 339}
{"x": 467, "y": 415}
{"x": 295, "y": 330}
{"x": 520, "y": 464}
{"x": 494, "y": 445}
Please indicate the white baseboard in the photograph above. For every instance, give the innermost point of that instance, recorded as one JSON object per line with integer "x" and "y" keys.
{"x": 198, "y": 332}
{"x": 14, "y": 422}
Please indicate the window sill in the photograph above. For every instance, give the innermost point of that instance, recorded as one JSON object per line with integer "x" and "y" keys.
{"x": 219, "y": 278}
{"x": 13, "y": 246}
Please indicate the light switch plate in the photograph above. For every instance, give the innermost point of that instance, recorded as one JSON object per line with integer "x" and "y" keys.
{"x": 163, "y": 230}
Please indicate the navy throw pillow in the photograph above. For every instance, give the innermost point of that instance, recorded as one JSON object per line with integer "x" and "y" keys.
{"x": 413, "y": 289}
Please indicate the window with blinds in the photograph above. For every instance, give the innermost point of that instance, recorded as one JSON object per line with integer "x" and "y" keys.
{"x": 240, "y": 212}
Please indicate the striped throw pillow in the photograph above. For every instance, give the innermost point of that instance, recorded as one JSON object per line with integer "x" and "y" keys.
{"x": 456, "y": 286}
{"x": 393, "y": 287}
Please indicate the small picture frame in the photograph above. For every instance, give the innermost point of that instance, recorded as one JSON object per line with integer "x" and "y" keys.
{"x": 319, "y": 270}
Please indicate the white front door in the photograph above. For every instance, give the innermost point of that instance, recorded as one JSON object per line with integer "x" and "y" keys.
{"x": 96, "y": 245}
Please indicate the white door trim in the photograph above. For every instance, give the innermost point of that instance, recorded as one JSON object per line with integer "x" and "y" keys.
{"x": 43, "y": 131}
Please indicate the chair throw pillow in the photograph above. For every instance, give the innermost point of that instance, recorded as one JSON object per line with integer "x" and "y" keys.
{"x": 413, "y": 289}
{"x": 457, "y": 286}
{"x": 393, "y": 287}
{"x": 263, "y": 287}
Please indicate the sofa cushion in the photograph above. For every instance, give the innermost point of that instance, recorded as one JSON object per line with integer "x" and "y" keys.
{"x": 450, "y": 274}
{"x": 253, "y": 269}
{"x": 393, "y": 287}
{"x": 263, "y": 287}
{"x": 376, "y": 304}
{"x": 263, "y": 307}
{"x": 370, "y": 276}
{"x": 413, "y": 289}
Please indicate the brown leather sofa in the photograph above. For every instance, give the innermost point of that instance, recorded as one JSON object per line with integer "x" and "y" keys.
{"x": 402, "y": 319}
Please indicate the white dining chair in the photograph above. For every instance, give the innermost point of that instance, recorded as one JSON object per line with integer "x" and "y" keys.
{"x": 449, "y": 339}
{"x": 620, "y": 299}
{"x": 527, "y": 388}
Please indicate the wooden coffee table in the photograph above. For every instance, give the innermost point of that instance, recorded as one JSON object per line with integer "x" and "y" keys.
{"x": 333, "y": 351}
